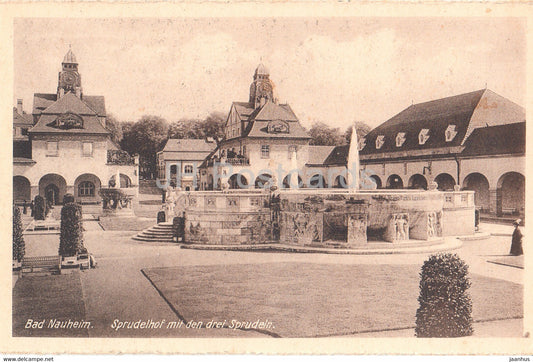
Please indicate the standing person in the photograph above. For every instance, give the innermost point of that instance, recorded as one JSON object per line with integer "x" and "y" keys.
{"x": 25, "y": 207}
{"x": 516, "y": 243}
{"x": 32, "y": 204}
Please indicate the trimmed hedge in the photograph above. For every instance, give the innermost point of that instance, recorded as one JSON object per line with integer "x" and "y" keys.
{"x": 445, "y": 306}
{"x": 19, "y": 247}
{"x": 71, "y": 237}
{"x": 39, "y": 208}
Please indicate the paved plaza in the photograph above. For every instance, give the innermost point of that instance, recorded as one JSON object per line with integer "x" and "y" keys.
{"x": 374, "y": 294}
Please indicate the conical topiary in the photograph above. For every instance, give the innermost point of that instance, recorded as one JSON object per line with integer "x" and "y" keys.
{"x": 445, "y": 306}
{"x": 71, "y": 236}
{"x": 39, "y": 208}
{"x": 19, "y": 248}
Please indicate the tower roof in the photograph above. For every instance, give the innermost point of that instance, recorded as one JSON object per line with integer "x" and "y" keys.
{"x": 70, "y": 57}
{"x": 261, "y": 70}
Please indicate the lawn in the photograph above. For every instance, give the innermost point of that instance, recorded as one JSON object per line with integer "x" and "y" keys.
{"x": 48, "y": 297}
{"x": 308, "y": 300}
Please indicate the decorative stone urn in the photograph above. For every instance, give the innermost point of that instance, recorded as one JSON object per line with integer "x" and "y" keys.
{"x": 117, "y": 201}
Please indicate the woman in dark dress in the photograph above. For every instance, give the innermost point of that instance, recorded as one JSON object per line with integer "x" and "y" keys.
{"x": 516, "y": 243}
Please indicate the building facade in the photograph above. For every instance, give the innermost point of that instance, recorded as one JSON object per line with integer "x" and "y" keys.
{"x": 69, "y": 148}
{"x": 473, "y": 141}
{"x": 179, "y": 162}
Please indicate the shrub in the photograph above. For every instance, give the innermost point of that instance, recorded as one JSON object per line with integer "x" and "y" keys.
{"x": 68, "y": 198}
{"x": 39, "y": 208}
{"x": 71, "y": 237}
{"x": 445, "y": 306}
{"x": 19, "y": 248}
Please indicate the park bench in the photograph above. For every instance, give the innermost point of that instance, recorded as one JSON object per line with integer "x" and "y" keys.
{"x": 41, "y": 262}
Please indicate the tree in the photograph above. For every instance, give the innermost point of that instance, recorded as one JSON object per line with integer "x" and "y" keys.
{"x": 71, "y": 236}
{"x": 146, "y": 137}
{"x": 19, "y": 248}
{"x": 323, "y": 135}
{"x": 114, "y": 126}
{"x": 212, "y": 126}
{"x": 362, "y": 130}
{"x": 445, "y": 306}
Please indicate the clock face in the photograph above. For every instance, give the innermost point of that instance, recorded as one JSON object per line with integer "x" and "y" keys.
{"x": 70, "y": 78}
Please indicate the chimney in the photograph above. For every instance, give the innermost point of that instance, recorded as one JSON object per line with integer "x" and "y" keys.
{"x": 19, "y": 106}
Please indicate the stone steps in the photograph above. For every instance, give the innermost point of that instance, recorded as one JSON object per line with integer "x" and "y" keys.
{"x": 158, "y": 232}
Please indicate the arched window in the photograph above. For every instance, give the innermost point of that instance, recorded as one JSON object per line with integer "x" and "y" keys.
{"x": 85, "y": 188}
{"x": 188, "y": 169}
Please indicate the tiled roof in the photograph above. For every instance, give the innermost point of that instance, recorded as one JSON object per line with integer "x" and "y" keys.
{"x": 42, "y": 101}
{"x": 22, "y": 119}
{"x": 91, "y": 125}
{"x": 338, "y": 156}
{"x": 186, "y": 156}
{"x": 319, "y": 154}
{"x": 260, "y": 118}
{"x": 504, "y": 139}
{"x": 188, "y": 145}
{"x": 244, "y": 109}
{"x": 69, "y": 103}
{"x": 272, "y": 111}
{"x": 465, "y": 111}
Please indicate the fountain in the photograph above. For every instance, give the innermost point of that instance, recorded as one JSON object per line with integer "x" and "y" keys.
{"x": 117, "y": 201}
{"x": 341, "y": 218}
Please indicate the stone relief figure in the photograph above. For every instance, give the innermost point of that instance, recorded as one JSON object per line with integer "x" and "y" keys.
{"x": 401, "y": 224}
{"x": 431, "y": 224}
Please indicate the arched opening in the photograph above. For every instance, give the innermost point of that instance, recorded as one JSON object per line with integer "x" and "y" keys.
{"x": 376, "y": 180}
{"x": 510, "y": 196}
{"x": 238, "y": 181}
{"x": 125, "y": 181}
{"x": 87, "y": 187}
{"x": 418, "y": 182}
{"x": 289, "y": 182}
{"x": 340, "y": 182}
{"x": 52, "y": 187}
{"x": 480, "y": 185}
{"x": 445, "y": 182}
{"x": 263, "y": 181}
{"x": 21, "y": 189}
{"x": 394, "y": 182}
{"x": 317, "y": 182}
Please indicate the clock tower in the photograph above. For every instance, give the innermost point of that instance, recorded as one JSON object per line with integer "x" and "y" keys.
{"x": 261, "y": 88}
{"x": 69, "y": 80}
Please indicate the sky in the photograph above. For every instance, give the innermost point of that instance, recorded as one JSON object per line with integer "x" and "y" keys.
{"x": 333, "y": 70}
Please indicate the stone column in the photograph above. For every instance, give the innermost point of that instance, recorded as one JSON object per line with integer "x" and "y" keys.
{"x": 493, "y": 201}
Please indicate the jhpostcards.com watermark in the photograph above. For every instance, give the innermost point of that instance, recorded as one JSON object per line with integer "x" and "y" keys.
{"x": 246, "y": 178}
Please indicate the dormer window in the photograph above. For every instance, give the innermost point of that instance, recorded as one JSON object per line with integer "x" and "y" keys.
{"x": 400, "y": 139}
{"x": 361, "y": 144}
{"x": 380, "y": 140}
{"x": 450, "y": 133}
{"x": 423, "y": 136}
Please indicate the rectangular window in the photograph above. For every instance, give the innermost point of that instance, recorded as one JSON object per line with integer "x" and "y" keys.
{"x": 188, "y": 169}
{"x": 265, "y": 151}
{"x": 52, "y": 148}
{"x": 87, "y": 149}
{"x": 24, "y": 131}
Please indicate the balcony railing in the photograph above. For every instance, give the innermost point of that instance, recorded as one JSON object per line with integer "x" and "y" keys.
{"x": 235, "y": 161}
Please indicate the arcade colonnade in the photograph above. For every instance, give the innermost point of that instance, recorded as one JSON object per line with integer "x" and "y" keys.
{"x": 498, "y": 182}
{"x": 54, "y": 186}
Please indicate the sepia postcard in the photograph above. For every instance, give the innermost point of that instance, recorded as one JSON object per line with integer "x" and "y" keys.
{"x": 276, "y": 178}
